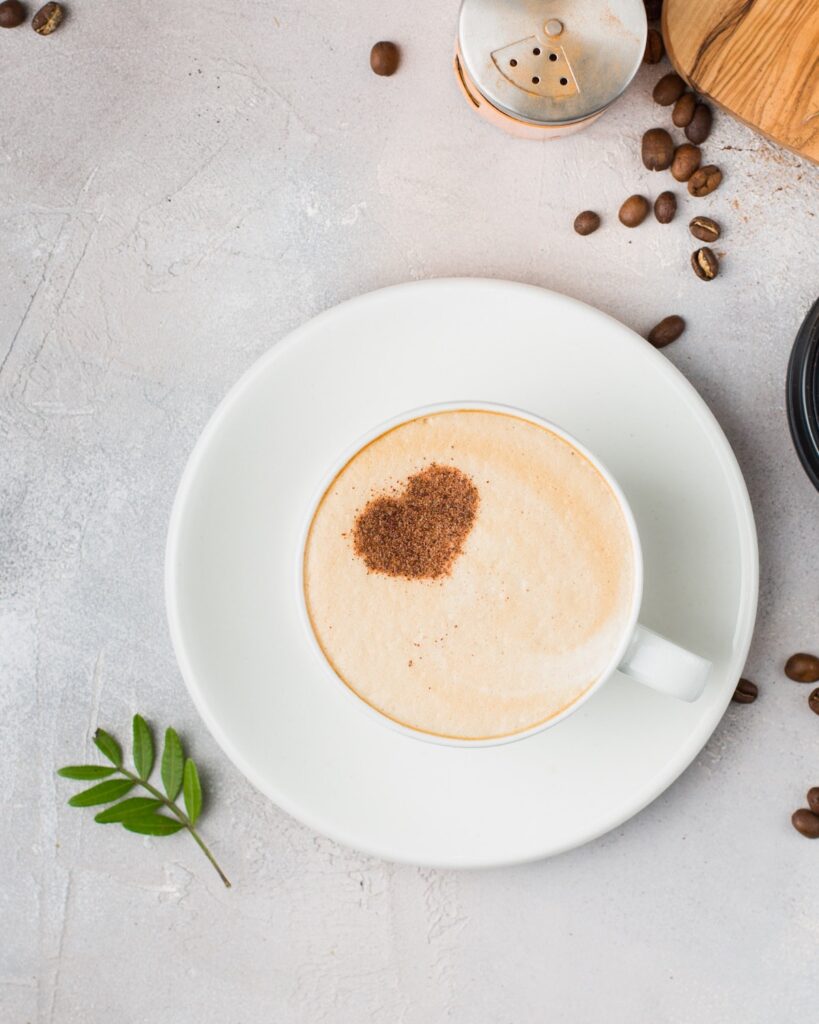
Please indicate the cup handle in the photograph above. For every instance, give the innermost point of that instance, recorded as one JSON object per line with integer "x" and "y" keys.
{"x": 662, "y": 665}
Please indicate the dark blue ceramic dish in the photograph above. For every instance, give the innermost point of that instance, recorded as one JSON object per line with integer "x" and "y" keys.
{"x": 803, "y": 394}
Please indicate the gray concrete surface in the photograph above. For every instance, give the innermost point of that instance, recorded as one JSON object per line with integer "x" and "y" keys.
{"x": 180, "y": 186}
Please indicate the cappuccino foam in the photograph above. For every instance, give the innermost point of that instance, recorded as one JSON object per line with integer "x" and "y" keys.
{"x": 523, "y": 617}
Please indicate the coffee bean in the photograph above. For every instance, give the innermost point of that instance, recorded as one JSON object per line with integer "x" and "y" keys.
{"x": 665, "y": 207}
{"x": 655, "y": 48}
{"x": 802, "y": 668}
{"x": 686, "y": 161}
{"x": 699, "y": 127}
{"x": 669, "y": 89}
{"x": 813, "y": 701}
{"x": 813, "y": 799}
{"x": 657, "y": 149}
{"x": 806, "y": 822}
{"x": 684, "y": 110}
{"x": 705, "y": 264}
{"x": 654, "y": 8}
{"x": 705, "y": 229}
{"x": 666, "y": 331}
{"x": 384, "y": 58}
{"x": 586, "y": 222}
{"x": 704, "y": 181}
{"x": 12, "y": 14}
{"x": 746, "y": 692}
{"x": 47, "y": 19}
{"x": 633, "y": 211}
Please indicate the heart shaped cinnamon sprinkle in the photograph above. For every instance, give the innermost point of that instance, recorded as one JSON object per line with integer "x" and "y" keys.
{"x": 419, "y": 533}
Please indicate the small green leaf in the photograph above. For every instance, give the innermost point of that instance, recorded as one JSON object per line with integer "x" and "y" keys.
{"x": 173, "y": 760}
{"x": 143, "y": 747}
{"x": 135, "y": 805}
{"x": 193, "y": 791}
{"x": 109, "y": 746}
{"x": 86, "y": 771}
{"x": 152, "y": 825}
{"x": 104, "y": 793}
{"x": 142, "y": 814}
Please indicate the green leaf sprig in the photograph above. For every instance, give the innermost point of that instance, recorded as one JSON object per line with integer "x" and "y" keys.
{"x": 143, "y": 814}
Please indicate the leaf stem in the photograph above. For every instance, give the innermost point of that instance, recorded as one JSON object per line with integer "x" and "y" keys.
{"x": 181, "y": 816}
{"x": 208, "y": 854}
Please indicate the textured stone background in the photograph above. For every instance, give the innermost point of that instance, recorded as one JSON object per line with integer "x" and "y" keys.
{"x": 180, "y": 187}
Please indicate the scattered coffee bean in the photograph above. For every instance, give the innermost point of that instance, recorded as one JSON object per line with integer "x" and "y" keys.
{"x": 813, "y": 799}
{"x": 699, "y": 127}
{"x": 802, "y": 668}
{"x": 657, "y": 149}
{"x": 47, "y": 19}
{"x": 813, "y": 701}
{"x": 746, "y": 692}
{"x": 806, "y": 822}
{"x": 665, "y": 207}
{"x": 666, "y": 331}
{"x": 669, "y": 89}
{"x": 654, "y": 8}
{"x": 705, "y": 229}
{"x": 705, "y": 264}
{"x": 634, "y": 211}
{"x": 586, "y": 222}
{"x": 686, "y": 161}
{"x": 384, "y": 58}
{"x": 655, "y": 48}
{"x": 12, "y": 14}
{"x": 703, "y": 182}
{"x": 684, "y": 110}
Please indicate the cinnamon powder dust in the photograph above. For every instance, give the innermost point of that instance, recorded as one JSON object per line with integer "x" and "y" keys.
{"x": 420, "y": 533}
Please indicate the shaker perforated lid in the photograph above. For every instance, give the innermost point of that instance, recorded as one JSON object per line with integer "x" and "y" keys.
{"x": 551, "y": 61}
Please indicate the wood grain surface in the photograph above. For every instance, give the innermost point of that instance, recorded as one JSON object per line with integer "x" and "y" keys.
{"x": 758, "y": 59}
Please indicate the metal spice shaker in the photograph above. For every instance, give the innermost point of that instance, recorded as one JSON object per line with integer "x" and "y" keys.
{"x": 545, "y": 68}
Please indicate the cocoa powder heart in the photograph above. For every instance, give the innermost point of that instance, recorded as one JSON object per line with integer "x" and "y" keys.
{"x": 419, "y": 533}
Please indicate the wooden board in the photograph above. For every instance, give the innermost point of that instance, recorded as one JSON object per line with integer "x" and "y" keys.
{"x": 758, "y": 59}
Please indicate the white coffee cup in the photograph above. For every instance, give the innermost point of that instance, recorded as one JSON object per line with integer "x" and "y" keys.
{"x": 642, "y": 654}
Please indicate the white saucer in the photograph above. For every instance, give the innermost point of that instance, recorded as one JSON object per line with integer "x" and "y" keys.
{"x": 231, "y": 571}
